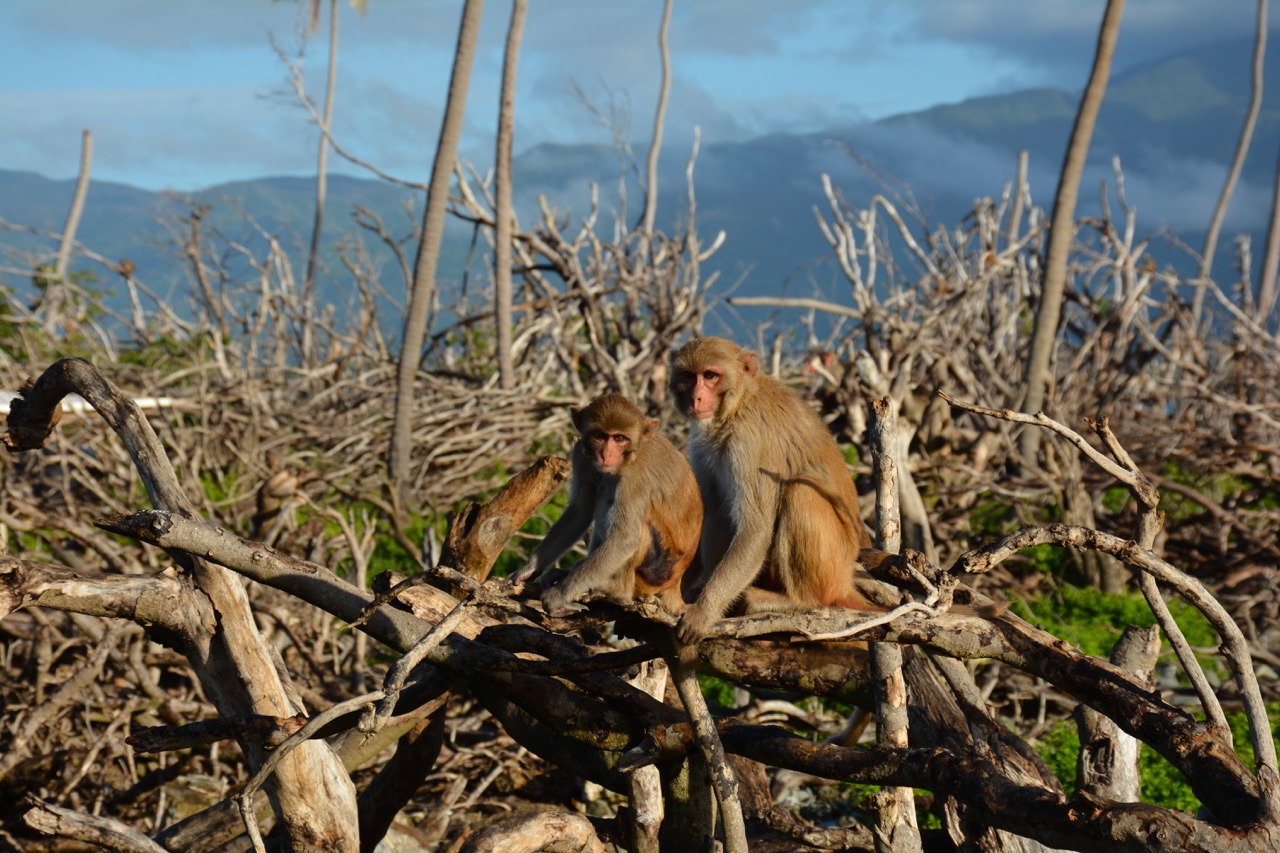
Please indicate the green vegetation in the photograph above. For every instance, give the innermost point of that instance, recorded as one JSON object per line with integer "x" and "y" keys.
{"x": 851, "y": 455}
{"x": 717, "y": 690}
{"x": 1093, "y": 621}
{"x": 990, "y": 517}
{"x": 391, "y": 555}
{"x": 1162, "y": 784}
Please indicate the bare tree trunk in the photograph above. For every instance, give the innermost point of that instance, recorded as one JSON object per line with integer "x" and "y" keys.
{"x": 1266, "y": 301}
{"x": 1237, "y": 161}
{"x": 503, "y": 214}
{"x": 1019, "y": 196}
{"x": 1108, "y": 765}
{"x": 1062, "y": 228}
{"x": 896, "y": 830}
{"x": 424, "y": 270}
{"x": 322, "y": 177}
{"x": 646, "y": 782}
{"x": 659, "y": 119}
{"x": 77, "y": 207}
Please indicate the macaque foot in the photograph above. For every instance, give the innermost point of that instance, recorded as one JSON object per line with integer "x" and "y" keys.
{"x": 695, "y": 625}
{"x": 556, "y": 604}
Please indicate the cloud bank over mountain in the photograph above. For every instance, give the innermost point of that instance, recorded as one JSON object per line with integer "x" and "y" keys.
{"x": 187, "y": 93}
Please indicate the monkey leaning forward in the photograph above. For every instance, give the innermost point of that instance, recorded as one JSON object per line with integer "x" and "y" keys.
{"x": 641, "y": 499}
{"x": 638, "y": 494}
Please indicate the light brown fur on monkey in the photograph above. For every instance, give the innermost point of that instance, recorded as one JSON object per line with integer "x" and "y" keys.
{"x": 639, "y": 496}
{"x": 781, "y": 528}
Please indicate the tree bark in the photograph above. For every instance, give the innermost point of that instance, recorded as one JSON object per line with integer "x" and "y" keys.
{"x": 77, "y": 207}
{"x": 659, "y": 119}
{"x": 1108, "y": 763}
{"x": 101, "y": 832}
{"x": 1265, "y": 304}
{"x": 1237, "y": 161}
{"x": 322, "y": 176}
{"x": 896, "y": 829}
{"x": 1062, "y": 227}
{"x": 558, "y": 832}
{"x": 424, "y": 270}
{"x": 503, "y": 212}
{"x": 478, "y": 535}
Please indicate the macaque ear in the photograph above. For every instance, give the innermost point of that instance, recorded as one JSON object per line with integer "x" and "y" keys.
{"x": 750, "y": 365}
{"x": 576, "y": 415}
{"x": 650, "y": 425}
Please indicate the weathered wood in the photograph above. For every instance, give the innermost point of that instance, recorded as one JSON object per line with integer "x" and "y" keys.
{"x": 479, "y": 533}
{"x": 1217, "y": 774}
{"x": 310, "y": 582}
{"x": 237, "y": 669}
{"x": 895, "y": 828}
{"x": 102, "y": 832}
{"x": 161, "y": 603}
{"x": 1080, "y": 823}
{"x": 257, "y": 729}
{"x": 1108, "y": 762}
{"x": 556, "y": 832}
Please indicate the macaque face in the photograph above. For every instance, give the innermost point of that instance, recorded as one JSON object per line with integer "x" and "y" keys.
{"x": 704, "y": 397}
{"x": 608, "y": 449}
{"x": 712, "y": 378}
{"x": 698, "y": 391}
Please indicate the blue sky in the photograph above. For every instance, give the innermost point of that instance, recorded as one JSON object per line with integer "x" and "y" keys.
{"x": 185, "y": 93}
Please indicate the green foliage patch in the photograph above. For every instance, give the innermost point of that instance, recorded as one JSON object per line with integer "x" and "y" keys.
{"x": 1093, "y": 620}
{"x": 1162, "y": 783}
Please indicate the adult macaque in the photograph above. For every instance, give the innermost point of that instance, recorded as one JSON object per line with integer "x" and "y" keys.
{"x": 638, "y": 494}
{"x": 781, "y": 529}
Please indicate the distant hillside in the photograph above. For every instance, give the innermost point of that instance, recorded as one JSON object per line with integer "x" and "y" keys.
{"x": 1172, "y": 123}
{"x": 1189, "y": 106}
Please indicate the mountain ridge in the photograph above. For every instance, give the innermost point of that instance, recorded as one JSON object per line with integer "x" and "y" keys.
{"x": 1172, "y": 123}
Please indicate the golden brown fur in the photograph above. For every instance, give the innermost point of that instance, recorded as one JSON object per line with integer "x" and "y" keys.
{"x": 781, "y": 525}
{"x": 638, "y": 494}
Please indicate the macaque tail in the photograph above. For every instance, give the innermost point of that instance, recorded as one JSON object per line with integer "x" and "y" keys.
{"x": 989, "y": 610}
{"x": 684, "y": 669}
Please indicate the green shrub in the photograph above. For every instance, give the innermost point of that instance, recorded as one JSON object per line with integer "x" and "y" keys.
{"x": 1060, "y": 749}
{"x": 1162, "y": 784}
{"x": 1093, "y": 620}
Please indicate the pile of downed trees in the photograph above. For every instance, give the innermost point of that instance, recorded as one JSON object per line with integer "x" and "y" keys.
{"x": 597, "y": 711}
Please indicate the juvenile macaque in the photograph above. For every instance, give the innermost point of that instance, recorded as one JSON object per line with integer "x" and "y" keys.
{"x": 782, "y": 529}
{"x": 638, "y": 494}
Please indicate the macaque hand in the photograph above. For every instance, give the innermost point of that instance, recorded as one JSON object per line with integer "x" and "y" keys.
{"x": 556, "y": 604}
{"x": 695, "y": 625}
{"x": 526, "y": 572}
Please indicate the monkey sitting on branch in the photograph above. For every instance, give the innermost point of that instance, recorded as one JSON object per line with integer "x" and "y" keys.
{"x": 782, "y": 529}
{"x": 638, "y": 494}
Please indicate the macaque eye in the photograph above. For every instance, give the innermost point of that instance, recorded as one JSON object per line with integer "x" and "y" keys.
{"x": 711, "y": 375}
{"x": 621, "y": 438}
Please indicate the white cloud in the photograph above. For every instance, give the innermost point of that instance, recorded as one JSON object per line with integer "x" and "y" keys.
{"x": 1062, "y": 34}
{"x": 143, "y": 25}
{"x": 180, "y": 91}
